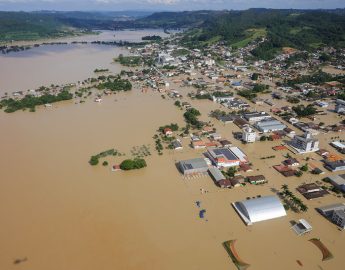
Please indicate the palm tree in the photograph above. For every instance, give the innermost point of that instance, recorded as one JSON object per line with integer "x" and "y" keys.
{"x": 303, "y": 208}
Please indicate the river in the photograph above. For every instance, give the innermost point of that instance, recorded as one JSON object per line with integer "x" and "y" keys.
{"x": 60, "y": 64}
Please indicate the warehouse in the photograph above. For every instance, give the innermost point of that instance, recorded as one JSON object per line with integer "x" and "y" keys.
{"x": 269, "y": 125}
{"x": 193, "y": 166}
{"x": 259, "y": 209}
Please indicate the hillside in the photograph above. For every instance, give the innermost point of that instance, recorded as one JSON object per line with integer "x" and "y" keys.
{"x": 304, "y": 30}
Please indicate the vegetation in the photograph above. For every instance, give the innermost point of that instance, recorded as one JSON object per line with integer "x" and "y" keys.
{"x": 303, "y": 111}
{"x": 31, "y": 26}
{"x": 101, "y": 70}
{"x": 304, "y": 168}
{"x": 177, "y": 103}
{"x": 317, "y": 78}
{"x": 30, "y": 102}
{"x": 152, "y": 38}
{"x": 130, "y": 61}
{"x": 115, "y": 83}
{"x": 191, "y": 117}
{"x": 294, "y": 202}
{"x": 94, "y": 160}
{"x": 133, "y": 164}
{"x": 217, "y": 113}
{"x": 173, "y": 127}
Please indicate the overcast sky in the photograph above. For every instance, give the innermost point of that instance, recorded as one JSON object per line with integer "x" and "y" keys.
{"x": 164, "y": 4}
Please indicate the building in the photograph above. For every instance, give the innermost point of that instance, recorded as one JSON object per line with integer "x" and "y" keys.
{"x": 168, "y": 132}
{"x": 339, "y": 146}
{"x": 340, "y": 106}
{"x": 305, "y": 143}
{"x": 237, "y": 104}
{"x": 256, "y": 116}
{"x": 226, "y": 183}
{"x": 248, "y": 135}
{"x": 165, "y": 59}
{"x": 177, "y": 145}
{"x": 338, "y": 181}
{"x": 226, "y": 157}
{"x": 259, "y": 209}
{"x": 335, "y": 213}
{"x": 193, "y": 166}
{"x": 312, "y": 191}
{"x": 334, "y": 166}
{"x": 198, "y": 144}
{"x": 291, "y": 162}
{"x": 257, "y": 179}
{"x": 269, "y": 125}
{"x": 216, "y": 174}
{"x": 302, "y": 227}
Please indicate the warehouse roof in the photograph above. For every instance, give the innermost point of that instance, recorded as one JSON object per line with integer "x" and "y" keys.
{"x": 259, "y": 209}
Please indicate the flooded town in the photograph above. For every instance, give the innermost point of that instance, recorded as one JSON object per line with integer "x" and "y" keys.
{"x": 129, "y": 150}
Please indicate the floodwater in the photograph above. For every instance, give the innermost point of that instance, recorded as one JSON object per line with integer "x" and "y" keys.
{"x": 58, "y": 212}
{"x": 60, "y": 64}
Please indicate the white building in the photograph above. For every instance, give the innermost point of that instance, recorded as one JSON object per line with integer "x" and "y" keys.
{"x": 259, "y": 209}
{"x": 269, "y": 125}
{"x": 256, "y": 116}
{"x": 340, "y": 106}
{"x": 305, "y": 143}
{"x": 248, "y": 135}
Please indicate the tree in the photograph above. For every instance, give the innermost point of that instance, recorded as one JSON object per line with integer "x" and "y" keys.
{"x": 299, "y": 173}
{"x": 304, "y": 168}
{"x": 132, "y": 164}
{"x": 255, "y": 76}
{"x": 231, "y": 171}
{"x": 94, "y": 160}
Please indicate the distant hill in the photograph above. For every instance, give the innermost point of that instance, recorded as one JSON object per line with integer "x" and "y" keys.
{"x": 300, "y": 29}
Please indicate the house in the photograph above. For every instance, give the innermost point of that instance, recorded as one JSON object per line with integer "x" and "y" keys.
{"x": 338, "y": 181}
{"x": 193, "y": 166}
{"x": 248, "y": 135}
{"x": 312, "y": 191}
{"x": 285, "y": 170}
{"x": 258, "y": 179}
{"x": 215, "y": 136}
{"x": 245, "y": 168}
{"x": 168, "y": 132}
{"x": 177, "y": 145}
{"x": 289, "y": 132}
{"x": 335, "y": 213}
{"x": 269, "y": 125}
{"x": 198, "y": 144}
{"x": 227, "y": 118}
{"x": 334, "y": 166}
{"x": 240, "y": 122}
{"x": 305, "y": 143}
{"x": 225, "y": 183}
{"x": 226, "y": 157}
{"x": 225, "y": 143}
{"x": 291, "y": 162}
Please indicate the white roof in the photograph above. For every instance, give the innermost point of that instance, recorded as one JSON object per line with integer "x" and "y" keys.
{"x": 238, "y": 153}
{"x": 261, "y": 209}
{"x": 338, "y": 144}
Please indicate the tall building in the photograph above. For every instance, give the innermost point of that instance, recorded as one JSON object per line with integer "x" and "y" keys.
{"x": 248, "y": 135}
{"x": 305, "y": 143}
